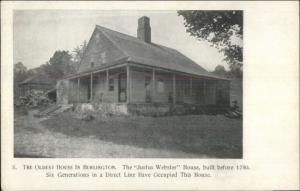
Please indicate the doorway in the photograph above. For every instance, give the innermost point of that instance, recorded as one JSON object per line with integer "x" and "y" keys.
{"x": 122, "y": 81}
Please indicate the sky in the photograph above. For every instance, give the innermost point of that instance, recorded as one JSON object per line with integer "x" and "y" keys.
{"x": 39, "y": 33}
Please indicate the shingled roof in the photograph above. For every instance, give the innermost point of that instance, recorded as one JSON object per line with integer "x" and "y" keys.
{"x": 152, "y": 54}
{"x": 38, "y": 79}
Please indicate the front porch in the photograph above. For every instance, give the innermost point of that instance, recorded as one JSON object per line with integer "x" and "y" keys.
{"x": 134, "y": 83}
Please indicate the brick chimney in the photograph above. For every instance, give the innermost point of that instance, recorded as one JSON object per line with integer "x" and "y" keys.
{"x": 144, "y": 29}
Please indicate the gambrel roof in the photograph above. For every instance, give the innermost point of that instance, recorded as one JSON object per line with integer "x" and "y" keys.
{"x": 150, "y": 54}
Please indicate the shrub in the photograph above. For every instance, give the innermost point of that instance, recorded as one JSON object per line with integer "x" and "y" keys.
{"x": 88, "y": 117}
{"x": 33, "y": 99}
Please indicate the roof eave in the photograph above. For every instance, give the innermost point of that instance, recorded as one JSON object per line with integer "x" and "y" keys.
{"x": 184, "y": 73}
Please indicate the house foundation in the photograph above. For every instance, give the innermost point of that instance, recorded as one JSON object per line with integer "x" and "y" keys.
{"x": 145, "y": 109}
{"x": 103, "y": 108}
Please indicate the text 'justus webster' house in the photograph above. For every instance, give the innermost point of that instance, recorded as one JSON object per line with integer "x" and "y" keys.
{"x": 120, "y": 69}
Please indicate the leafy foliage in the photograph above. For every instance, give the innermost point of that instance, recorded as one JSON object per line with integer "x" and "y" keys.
{"x": 19, "y": 67}
{"x": 20, "y": 72}
{"x": 59, "y": 65}
{"x": 63, "y": 62}
{"x": 222, "y": 29}
{"x": 220, "y": 70}
{"x": 78, "y": 54}
{"x": 33, "y": 99}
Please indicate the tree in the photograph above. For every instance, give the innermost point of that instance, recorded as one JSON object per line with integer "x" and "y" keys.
{"x": 220, "y": 70}
{"x": 60, "y": 64}
{"x": 78, "y": 54}
{"x": 63, "y": 63}
{"x": 19, "y": 68}
{"x": 222, "y": 29}
{"x": 20, "y": 72}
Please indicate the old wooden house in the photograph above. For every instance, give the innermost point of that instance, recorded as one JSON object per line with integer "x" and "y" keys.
{"x": 120, "y": 69}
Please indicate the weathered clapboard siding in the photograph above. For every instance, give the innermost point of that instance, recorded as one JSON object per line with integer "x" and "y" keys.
{"x": 100, "y": 50}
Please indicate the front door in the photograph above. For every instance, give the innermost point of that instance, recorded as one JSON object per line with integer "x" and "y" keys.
{"x": 148, "y": 89}
{"x": 122, "y": 87}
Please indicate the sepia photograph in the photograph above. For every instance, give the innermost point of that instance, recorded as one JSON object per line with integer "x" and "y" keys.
{"x": 128, "y": 84}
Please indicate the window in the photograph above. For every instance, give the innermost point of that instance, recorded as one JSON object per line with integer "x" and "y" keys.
{"x": 186, "y": 87}
{"x": 148, "y": 89}
{"x": 111, "y": 84}
{"x": 92, "y": 64}
{"x": 103, "y": 57}
{"x": 160, "y": 86}
{"x": 147, "y": 81}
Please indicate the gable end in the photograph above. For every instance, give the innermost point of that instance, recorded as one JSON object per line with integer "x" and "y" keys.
{"x": 100, "y": 50}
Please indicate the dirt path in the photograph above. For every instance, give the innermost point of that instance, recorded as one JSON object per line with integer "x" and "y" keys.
{"x": 32, "y": 139}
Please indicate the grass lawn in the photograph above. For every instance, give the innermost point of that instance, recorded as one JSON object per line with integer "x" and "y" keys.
{"x": 189, "y": 136}
{"x": 194, "y": 135}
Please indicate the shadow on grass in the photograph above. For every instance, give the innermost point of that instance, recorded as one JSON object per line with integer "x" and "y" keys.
{"x": 29, "y": 156}
{"x": 214, "y": 136}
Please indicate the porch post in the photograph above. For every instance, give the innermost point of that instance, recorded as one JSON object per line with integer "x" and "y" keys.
{"x": 91, "y": 90}
{"x": 191, "y": 86}
{"x": 215, "y": 91}
{"x": 204, "y": 91}
{"x": 128, "y": 88}
{"x": 107, "y": 78}
{"x": 174, "y": 88}
{"x": 153, "y": 85}
{"x": 78, "y": 90}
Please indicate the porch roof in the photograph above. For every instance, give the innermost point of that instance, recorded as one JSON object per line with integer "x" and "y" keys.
{"x": 123, "y": 61}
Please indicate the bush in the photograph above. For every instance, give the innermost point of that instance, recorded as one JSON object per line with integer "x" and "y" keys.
{"x": 154, "y": 110}
{"x": 88, "y": 117}
{"x": 33, "y": 99}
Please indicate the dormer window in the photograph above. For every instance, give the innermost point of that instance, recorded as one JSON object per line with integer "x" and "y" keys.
{"x": 92, "y": 64}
